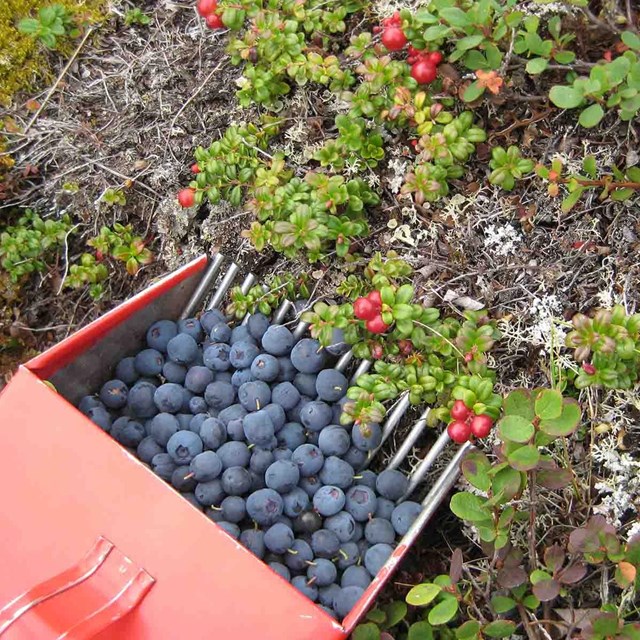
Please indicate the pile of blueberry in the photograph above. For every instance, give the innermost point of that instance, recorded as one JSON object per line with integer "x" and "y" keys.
{"x": 244, "y": 422}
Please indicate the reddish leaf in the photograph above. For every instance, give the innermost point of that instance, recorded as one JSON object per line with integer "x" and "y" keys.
{"x": 546, "y": 590}
{"x": 573, "y": 574}
{"x": 511, "y": 577}
{"x": 455, "y": 570}
{"x": 554, "y": 479}
{"x": 554, "y": 558}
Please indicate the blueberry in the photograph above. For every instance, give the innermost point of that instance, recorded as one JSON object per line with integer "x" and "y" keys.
{"x": 257, "y": 324}
{"x": 209, "y": 493}
{"x": 182, "y": 480}
{"x": 322, "y": 572}
{"x": 311, "y": 484}
{"x": 278, "y": 340}
{"x": 301, "y": 554}
{"x": 293, "y": 415}
{"x": 308, "y": 356}
{"x": 149, "y": 362}
{"x": 328, "y": 500}
{"x": 348, "y": 555}
{"x": 190, "y": 497}
{"x": 223, "y": 376}
{"x": 163, "y": 426}
{"x": 205, "y": 466}
{"x": 242, "y": 354}
{"x": 147, "y": 449}
{"x": 233, "y": 507}
{"x": 186, "y": 399}
{"x": 173, "y": 372}
{"x": 286, "y": 395}
{"x": 258, "y": 428}
{"x": 219, "y": 395}
{"x": 316, "y": 415}
{"x": 210, "y": 318}
{"x": 392, "y": 484}
{"x": 241, "y": 376}
{"x": 291, "y": 435}
{"x": 356, "y": 458}
{"x": 367, "y": 478}
{"x": 277, "y": 415}
{"x": 376, "y": 556}
{"x": 212, "y": 433}
{"x": 89, "y": 402}
{"x": 346, "y": 599}
{"x": 404, "y": 515}
{"x": 241, "y": 334}
{"x": 342, "y": 524}
{"x": 264, "y": 506}
{"x": 257, "y": 481}
{"x": 265, "y": 367}
{"x": 236, "y": 481}
{"x": 366, "y": 437}
{"x": 234, "y": 454}
{"x": 101, "y": 417}
{"x": 308, "y": 458}
{"x": 282, "y": 476}
{"x": 126, "y": 371}
{"x": 198, "y": 378}
{"x": 326, "y": 594}
{"x": 281, "y": 570}
{"x": 360, "y": 502}
{"x": 325, "y": 543}
{"x": 287, "y": 372}
{"x": 305, "y": 383}
{"x": 220, "y": 332}
{"x": 331, "y": 385}
{"x": 128, "y": 432}
{"x": 159, "y": 334}
{"x": 184, "y": 446}
{"x": 198, "y": 404}
{"x": 216, "y": 356}
{"x": 163, "y": 466}
{"x": 228, "y": 527}
{"x": 384, "y": 508}
{"x": 334, "y": 441}
{"x": 260, "y": 460}
{"x": 182, "y": 349}
{"x": 358, "y": 536}
{"x": 168, "y": 397}
{"x": 235, "y": 430}
{"x": 254, "y": 395}
{"x": 378, "y": 530}
{"x": 282, "y": 453}
{"x": 337, "y": 472}
{"x": 231, "y": 413}
{"x": 355, "y": 577}
{"x": 295, "y": 502}
{"x": 192, "y": 327}
{"x": 338, "y": 346}
{"x": 196, "y": 422}
{"x": 309, "y": 590}
{"x": 253, "y": 539}
{"x": 184, "y": 420}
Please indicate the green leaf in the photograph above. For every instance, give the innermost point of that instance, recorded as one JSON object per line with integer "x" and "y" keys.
{"x": 375, "y": 615}
{"x": 469, "y": 42}
{"x": 473, "y": 92}
{"x": 507, "y": 482}
{"x": 499, "y": 629}
{"x": 589, "y": 166}
{"x": 632, "y": 40}
{"x": 502, "y": 604}
{"x": 591, "y": 116}
{"x": 475, "y": 469}
{"x": 548, "y": 404}
{"x": 536, "y": 66}
{"x": 516, "y": 429}
{"x": 468, "y": 631}
{"x": 396, "y": 611}
{"x": 566, "y": 97}
{"x": 423, "y": 594}
{"x": 525, "y": 458}
{"x": 620, "y": 195}
{"x": 443, "y": 612}
{"x": 368, "y": 631}
{"x": 455, "y": 17}
{"x": 468, "y": 506}
{"x": 606, "y": 624}
{"x": 28, "y": 25}
{"x": 571, "y": 200}
{"x": 566, "y": 423}
{"x": 420, "y": 631}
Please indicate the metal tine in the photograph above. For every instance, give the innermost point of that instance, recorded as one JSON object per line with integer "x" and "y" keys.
{"x": 408, "y": 443}
{"x": 344, "y": 361}
{"x": 427, "y": 462}
{"x": 300, "y": 330}
{"x": 363, "y": 367}
{"x": 393, "y": 418}
{"x": 282, "y": 311}
{"x": 223, "y": 287}
{"x": 203, "y": 287}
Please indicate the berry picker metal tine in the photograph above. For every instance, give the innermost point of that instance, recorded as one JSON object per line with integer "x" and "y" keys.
{"x": 421, "y": 470}
{"x": 282, "y": 311}
{"x": 363, "y": 367}
{"x": 409, "y": 442}
{"x": 203, "y": 287}
{"x": 344, "y": 361}
{"x": 394, "y": 417}
{"x": 223, "y": 287}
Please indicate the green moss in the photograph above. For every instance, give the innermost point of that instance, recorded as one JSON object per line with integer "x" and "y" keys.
{"x": 24, "y": 61}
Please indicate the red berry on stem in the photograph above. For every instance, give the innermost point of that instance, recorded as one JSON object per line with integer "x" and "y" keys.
{"x": 206, "y": 7}
{"x": 412, "y": 51}
{"x": 588, "y": 368}
{"x": 377, "y": 351}
{"x": 423, "y": 72}
{"x": 394, "y": 39}
{"x": 376, "y": 299}
{"x": 481, "y": 426}
{"x": 459, "y": 411}
{"x": 377, "y": 29}
{"x": 364, "y": 310}
{"x": 187, "y": 197}
{"x": 435, "y": 57}
{"x": 195, "y": 168}
{"x": 214, "y": 21}
{"x": 376, "y": 325}
{"x": 459, "y": 431}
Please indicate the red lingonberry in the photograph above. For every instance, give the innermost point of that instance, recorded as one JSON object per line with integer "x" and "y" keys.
{"x": 459, "y": 411}
{"x": 364, "y": 309}
{"x": 481, "y": 426}
{"x": 187, "y": 197}
{"x": 394, "y": 39}
{"x": 376, "y": 325}
{"x": 459, "y": 431}
{"x": 375, "y": 297}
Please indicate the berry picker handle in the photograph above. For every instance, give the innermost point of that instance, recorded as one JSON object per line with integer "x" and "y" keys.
{"x": 89, "y": 596}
